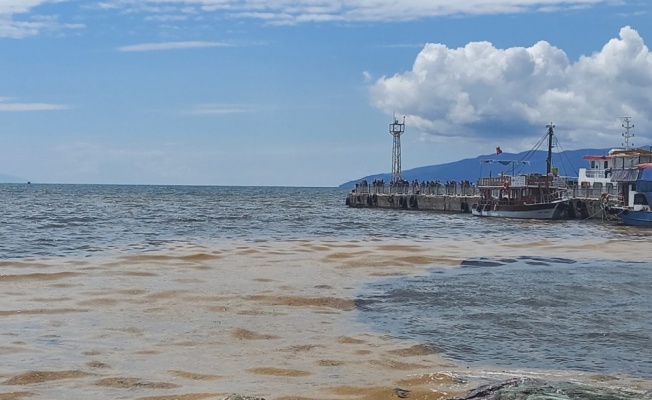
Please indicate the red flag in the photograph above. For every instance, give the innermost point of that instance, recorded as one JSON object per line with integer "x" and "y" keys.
{"x": 498, "y": 150}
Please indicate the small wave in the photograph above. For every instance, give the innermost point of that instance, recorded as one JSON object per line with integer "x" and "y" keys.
{"x": 553, "y": 313}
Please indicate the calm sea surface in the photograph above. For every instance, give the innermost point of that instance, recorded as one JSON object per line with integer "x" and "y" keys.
{"x": 556, "y": 311}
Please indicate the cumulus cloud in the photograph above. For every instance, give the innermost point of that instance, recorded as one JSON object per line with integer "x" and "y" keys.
{"x": 8, "y": 106}
{"x": 481, "y": 91}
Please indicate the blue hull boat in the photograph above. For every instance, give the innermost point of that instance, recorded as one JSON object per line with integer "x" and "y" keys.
{"x": 640, "y": 214}
{"x": 636, "y": 218}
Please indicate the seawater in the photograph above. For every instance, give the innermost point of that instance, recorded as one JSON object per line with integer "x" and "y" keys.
{"x": 117, "y": 280}
{"x": 82, "y": 220}
{"x": 525, "y": 312}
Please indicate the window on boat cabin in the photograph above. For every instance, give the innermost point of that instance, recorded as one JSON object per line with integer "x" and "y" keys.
{"x": 622, "y": 163}
{"x": 593, "y": 164}
{"x": 639, "y": 199}
{"x": 606, "y": 164}
{"x": 632, "y": 162}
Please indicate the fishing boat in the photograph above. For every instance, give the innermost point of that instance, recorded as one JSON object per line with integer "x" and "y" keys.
{"x": 525, "y": 196}
{"x": 639, "y": 214}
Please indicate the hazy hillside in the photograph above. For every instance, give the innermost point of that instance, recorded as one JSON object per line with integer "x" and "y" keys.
{"x": 568, "y": 163}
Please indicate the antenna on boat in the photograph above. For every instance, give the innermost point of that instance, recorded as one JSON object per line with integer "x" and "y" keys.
{"x": 627, "y": 135}
{"x": 551, "y": 132}
{"x": 396, "y": 129}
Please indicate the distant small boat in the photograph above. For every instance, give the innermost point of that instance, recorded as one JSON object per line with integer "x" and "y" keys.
{"x": 640, "y": 214}
{"x": 530, "y": 196}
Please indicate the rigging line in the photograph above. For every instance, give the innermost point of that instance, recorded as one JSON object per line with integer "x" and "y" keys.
{"x": 531, "y": 152}
{"x": 535, "y": 148}
{"x": 562, "y": 156}
{"x": 565, "y": 156}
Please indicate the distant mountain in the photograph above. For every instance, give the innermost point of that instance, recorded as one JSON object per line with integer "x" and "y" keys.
{"x": 567, "y": 162}
{"x": 11, "y": 179}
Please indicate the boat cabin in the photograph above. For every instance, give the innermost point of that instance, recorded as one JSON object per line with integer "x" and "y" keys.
{"x": 522, "y": 189}
{"x": 595, "y": 180}
{"x": 625, "y": 172}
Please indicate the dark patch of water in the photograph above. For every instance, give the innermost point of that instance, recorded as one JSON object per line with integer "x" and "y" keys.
{"x": 535, "y": 312}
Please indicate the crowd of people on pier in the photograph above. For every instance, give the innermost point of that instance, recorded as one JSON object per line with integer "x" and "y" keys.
{"x": 449, "y": 187}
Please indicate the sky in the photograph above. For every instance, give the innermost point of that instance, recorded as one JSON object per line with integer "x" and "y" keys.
{"x": 302, "y": 92}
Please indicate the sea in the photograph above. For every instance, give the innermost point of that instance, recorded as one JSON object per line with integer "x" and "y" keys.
{"x": 160, "y": 292}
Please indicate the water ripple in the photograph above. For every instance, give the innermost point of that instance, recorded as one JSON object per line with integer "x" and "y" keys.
{"x": 554, "y": 314}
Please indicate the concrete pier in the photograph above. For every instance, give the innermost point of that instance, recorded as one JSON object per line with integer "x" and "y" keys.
{"x": 423, "y": 202}
{"x": 581, "y": 208}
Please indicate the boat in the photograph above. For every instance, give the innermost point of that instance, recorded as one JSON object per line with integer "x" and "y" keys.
{"x": 639, "y": 214}
{"x": 524, "y": 196}
{"x": 623, "y": 172}
{"x": 595, "y": 180}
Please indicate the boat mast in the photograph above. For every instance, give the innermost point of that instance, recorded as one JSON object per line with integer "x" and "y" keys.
{"x": 627, "y": 135}
{"x": 550, "y": 127}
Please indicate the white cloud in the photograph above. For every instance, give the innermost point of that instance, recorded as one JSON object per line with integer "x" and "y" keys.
{"x": 8, "y": 106}
{"x": 286, "y": 12}
{"x": 11, "y": 26}
{"x": 171, "y": 46}
{"x": 280, "y": 12}
{"x": 167, "y": 18}
{"x": 8, "y": 7}
{"x": 219, "y": 109}
{"x": 480, "y": 91}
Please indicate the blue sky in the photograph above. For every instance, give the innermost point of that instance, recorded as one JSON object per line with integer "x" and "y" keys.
{"x": 301, "y": 92}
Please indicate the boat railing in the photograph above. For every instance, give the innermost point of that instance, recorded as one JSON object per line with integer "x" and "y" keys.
{"x": 588, "y": 192}
{"x": 546, "y": 181}
{"x": 498, "y": 181}
{"x": 596, "y": 173}
{"x": 518, "y": 181}
{"x": 557, "y": 195}
{"x": 525, "y": 180}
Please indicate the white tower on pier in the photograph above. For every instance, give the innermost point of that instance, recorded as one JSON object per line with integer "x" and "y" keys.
{"x": 627, "y": 135}
{"x": 396, "y": 129}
